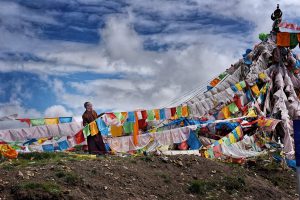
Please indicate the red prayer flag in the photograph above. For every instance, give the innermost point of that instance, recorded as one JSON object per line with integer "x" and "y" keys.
{"x": 144, "y": 114}
{"x": 173, "y": 111}
{"x": 79, "y": 137}
{"x": 111, "y": 115}
{"x": 26, "y": 120}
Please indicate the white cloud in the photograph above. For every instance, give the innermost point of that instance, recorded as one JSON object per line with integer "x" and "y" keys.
{"x": 57, "y": 111}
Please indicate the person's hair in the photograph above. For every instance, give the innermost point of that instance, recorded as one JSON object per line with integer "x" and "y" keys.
{"x": 85, "y": 104}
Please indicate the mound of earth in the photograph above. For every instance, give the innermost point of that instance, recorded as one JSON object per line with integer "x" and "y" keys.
{"x": 67, "y": 176}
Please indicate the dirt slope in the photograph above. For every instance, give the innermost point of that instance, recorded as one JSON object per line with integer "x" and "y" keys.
{"x": 61, "y": 176}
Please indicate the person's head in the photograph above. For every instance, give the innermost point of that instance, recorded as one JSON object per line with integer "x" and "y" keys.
{"x": 88, "y": 106}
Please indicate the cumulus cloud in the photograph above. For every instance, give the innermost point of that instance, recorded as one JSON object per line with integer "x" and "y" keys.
{"x": 57, "y": 111}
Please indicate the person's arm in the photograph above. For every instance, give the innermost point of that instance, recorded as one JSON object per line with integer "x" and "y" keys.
{"x": 101, "y": 114}
{"x": 84, "y": 121}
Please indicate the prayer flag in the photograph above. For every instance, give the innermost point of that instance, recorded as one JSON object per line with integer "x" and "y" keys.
{"x": 239, "y": 131}
{"x": 233, "y": 108}
{"x": 128, "y": 127}
{"x": 211, "y": 153}
{"x": 173, "y": 111}
{"x": 185, "y": 111}
{"x": 139, "y": 115}
{"x": 193, "y": 141}
{"x": 50, "y": 121}
{"x": 293, "y": 40}
{"x": 93, "y": 128}
{"x": 156, "y": 112}
{"x": 26, "y": 120}
{"x": 144, "y": 114}
{"x": 225, "y": 111}
{"x": 232, "y": 138}
{"x": 150, "y": 115}
{"x": 111, "y": 115}
{"x": 48, "y": 147}
{"x": 238, "y": 86}
{"x": 227, "y": 141}
{"x": 65, "y": 119}
{"x": 86, "y": 131}
{"x": 116, "y": 131}
{"x": 131, "y": 117}
{"x": 283, "y": 39}
{"x": 234, "y": 88}
{"x": 162, "y": 115}
{"x": 79, "y": 137}
{"x": 102, "y": 126}
{"x": 168, "y": 113}
{"x": 243, "y": 84}
{"x": 215, "y": 82}
{"x": 63, "y": 145}
{"x": 37, "y": 122}
{"x": 255, "y": 90}
{"x": 179, "y": 111}
{"x": 236, "y": 136}
{"x": 262, "y": 76}
{"x": 223, "y": 75}
{"x": 217, "y": 151}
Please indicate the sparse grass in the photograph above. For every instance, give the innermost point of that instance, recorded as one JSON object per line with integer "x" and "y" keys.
{"x": 69, "y": 177}
{"x": 202, "y": 186}
{"x": 164, "y": 176}
{"x": 230, "y": 184}
{"x": 42, "y": 158}
{"x": 233, "y": 183}
{"x": 50, "y": 188}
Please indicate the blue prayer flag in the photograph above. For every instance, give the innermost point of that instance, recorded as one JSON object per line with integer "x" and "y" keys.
{"x": 48, "y": 147}
{"x": 65, "y": 119}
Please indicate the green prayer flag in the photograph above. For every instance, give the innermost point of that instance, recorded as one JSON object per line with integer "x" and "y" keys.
{"x": 243, "y": 84}
{"x": 86, "y": 131}
{"x": 151, "y": 115}
{"x": 293, "y": 40}
{"x": 227, "y": 141}
{"x": 263, "y": 36}
{"x": 211, "y": 152}
{"x": 128, "y": 127}
{"x": 119, "y": 116}
{"x": 37, "y": 122}
{"x": 221, "y": 76}
{"x": 233, "y": 108}
{"x": 179, "y": 111}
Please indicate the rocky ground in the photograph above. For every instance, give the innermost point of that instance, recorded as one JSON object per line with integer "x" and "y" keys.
{"x": 65, "y": 176}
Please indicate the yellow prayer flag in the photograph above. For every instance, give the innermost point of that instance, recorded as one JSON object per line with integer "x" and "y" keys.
{"x": 42, "y": 140}
{"x": 263, "y": 90}
{"x": 238, "y": 86}
{"x": 50, "y": 121}
{"x": 255, "y": 90}
{"x": 94, "y": 128}
{"x": 269, "y": 122}
{"x": 239, "y": 131}
{"x": 116, "y": 131}
{"x": 232, "y": 138}
{"x": 220, "y": 141}
{"x": 262, "y": 76}
{"x": 251, "y": 113}
{"x": 226, "y": 112}
{"x": 206, "y": 154}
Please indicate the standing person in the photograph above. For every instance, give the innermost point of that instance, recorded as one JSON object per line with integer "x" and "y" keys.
{"x": 95, "y": 143}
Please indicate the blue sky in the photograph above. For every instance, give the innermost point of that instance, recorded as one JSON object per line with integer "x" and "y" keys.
{"x": 121, "y": 55}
